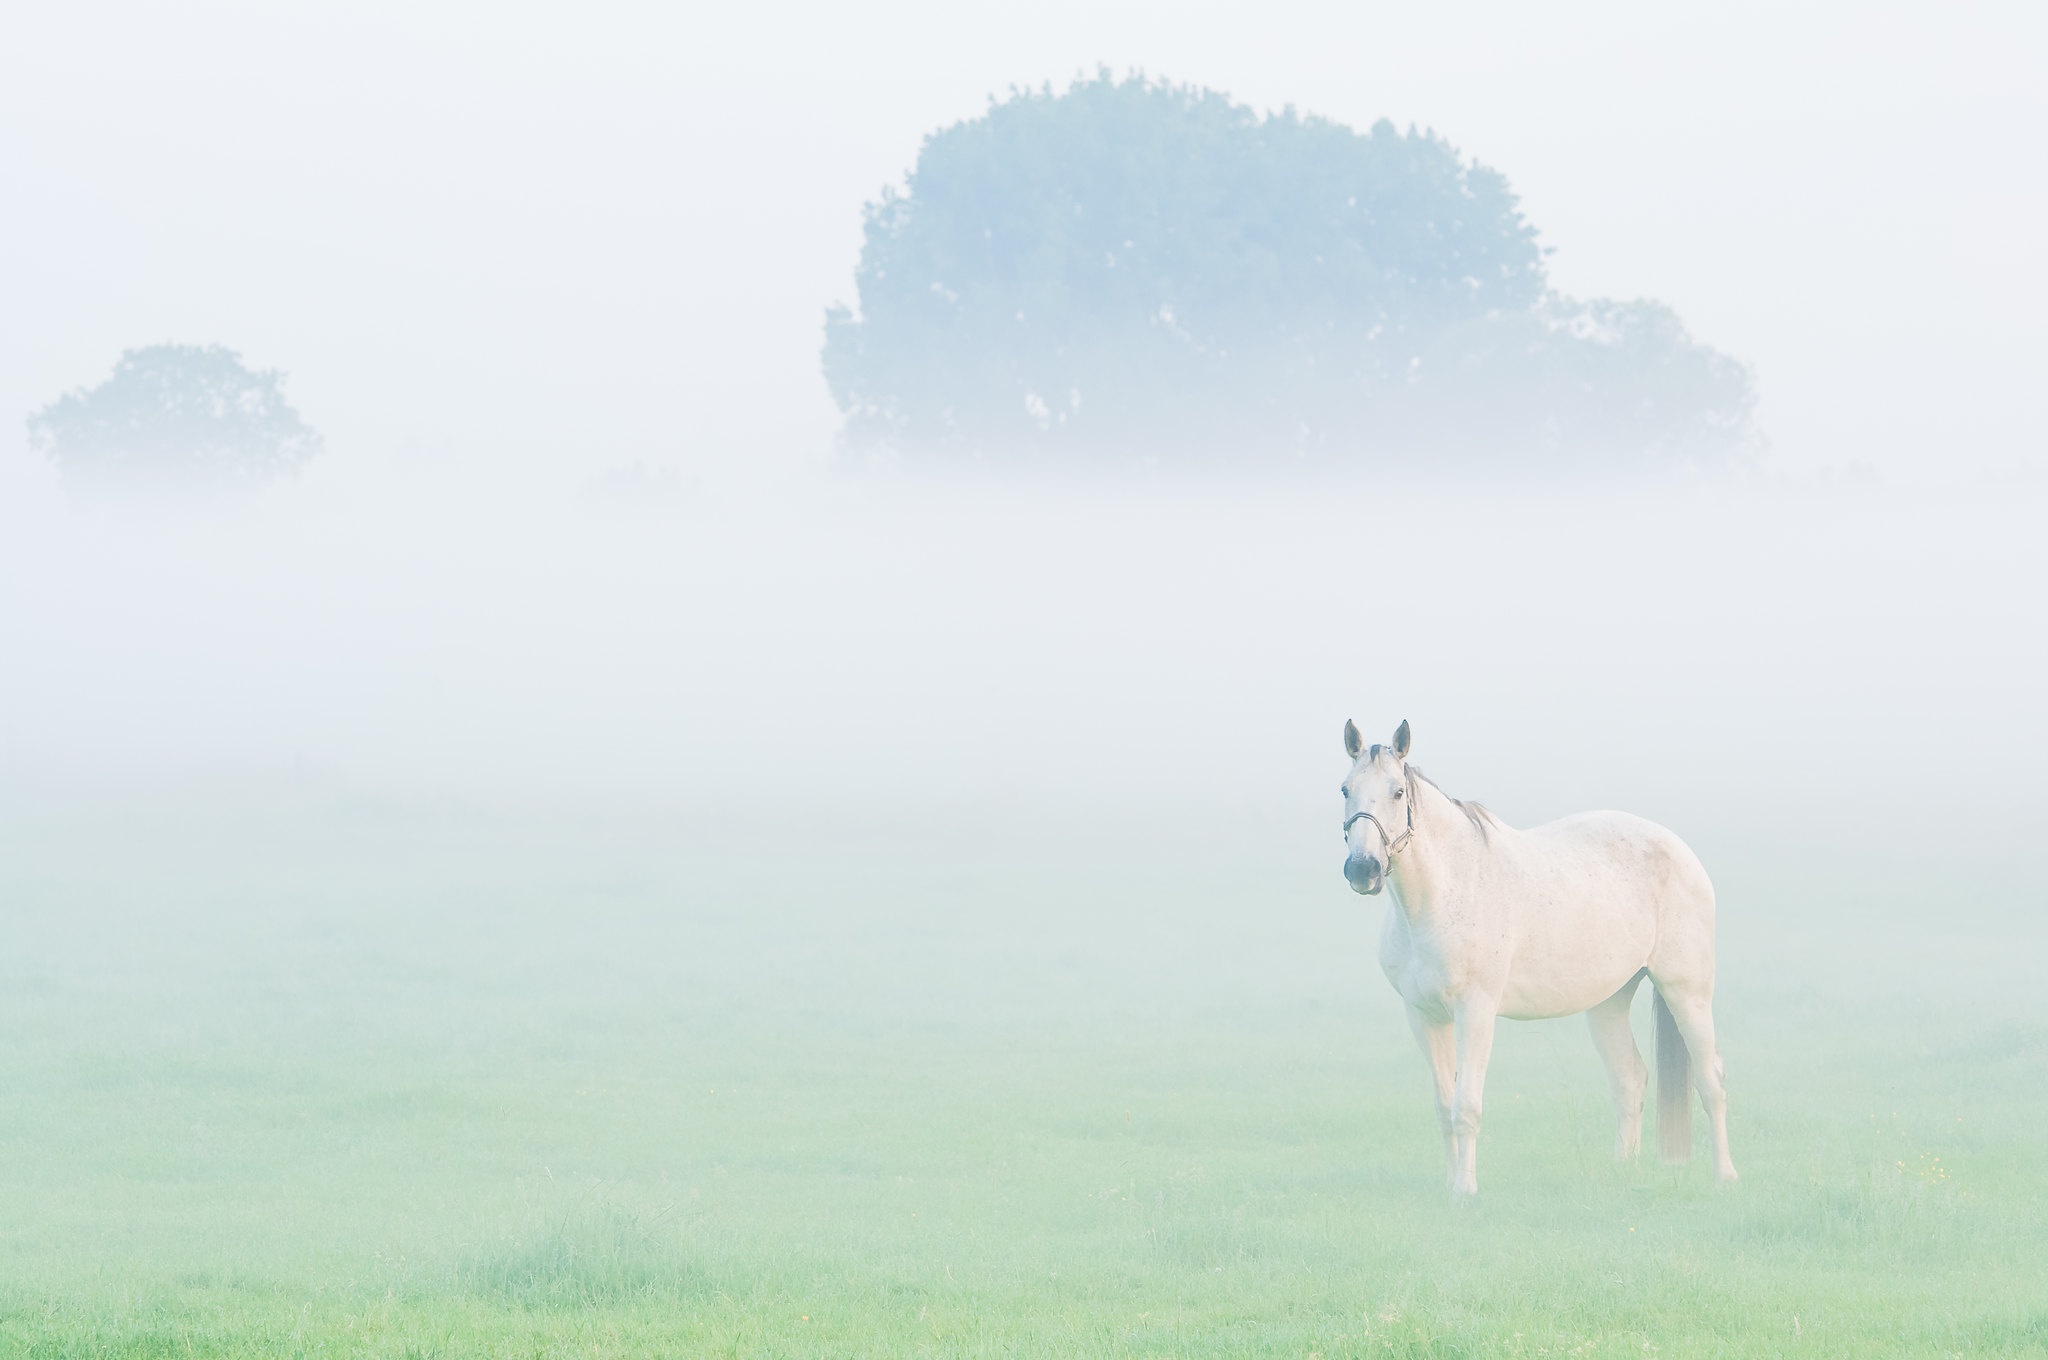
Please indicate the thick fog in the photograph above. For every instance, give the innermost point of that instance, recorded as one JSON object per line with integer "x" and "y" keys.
{"x": 580, "y": 543}
{"x": 1772, "y": 664}
{"x": 553, "y": 240}
{"x": 595, "y": 861}
{"x": 552, "y": 286}
{"x": 506, "y": 255}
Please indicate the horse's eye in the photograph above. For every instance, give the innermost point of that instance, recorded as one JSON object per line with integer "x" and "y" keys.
{"x": 1400, "y": 793}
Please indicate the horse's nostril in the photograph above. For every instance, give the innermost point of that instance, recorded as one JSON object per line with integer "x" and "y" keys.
{"x": 1362, "y": 872}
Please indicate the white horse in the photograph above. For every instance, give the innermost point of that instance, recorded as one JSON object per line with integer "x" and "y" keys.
{"x": 1489, "y": 921}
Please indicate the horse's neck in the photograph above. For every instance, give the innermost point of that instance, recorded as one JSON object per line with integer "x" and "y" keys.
{"x": 1438, "y": 855}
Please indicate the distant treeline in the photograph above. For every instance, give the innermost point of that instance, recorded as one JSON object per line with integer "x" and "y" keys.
{"x": 1137, "y": 270}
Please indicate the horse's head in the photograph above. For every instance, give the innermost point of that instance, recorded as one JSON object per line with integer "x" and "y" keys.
{"x": 1377, "y": 818}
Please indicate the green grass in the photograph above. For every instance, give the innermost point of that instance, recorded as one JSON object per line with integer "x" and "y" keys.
{"x": 341, "y": 1081}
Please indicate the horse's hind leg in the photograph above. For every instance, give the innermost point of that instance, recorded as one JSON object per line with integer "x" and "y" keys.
{"x": 1693, "y": 1010}
{"x": 1626, "y": 1075}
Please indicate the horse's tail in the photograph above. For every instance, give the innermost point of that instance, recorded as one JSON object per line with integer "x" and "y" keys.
{"x": 1674, "y": 1086}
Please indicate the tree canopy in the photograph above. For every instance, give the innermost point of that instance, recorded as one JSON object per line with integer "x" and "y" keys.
{"x": 1135, "y": 269}
{"x": 174, "y": 418}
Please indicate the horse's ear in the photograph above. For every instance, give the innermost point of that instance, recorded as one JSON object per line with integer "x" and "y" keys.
{"x": 1353, "y": 743}
{"x": 1401, "y": 740}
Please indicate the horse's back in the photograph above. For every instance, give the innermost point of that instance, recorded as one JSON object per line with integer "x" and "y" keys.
{"x": 1636, "y": 848}
{"x": 1649, "y": 866}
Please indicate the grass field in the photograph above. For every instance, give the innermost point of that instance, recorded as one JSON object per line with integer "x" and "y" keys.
{"x": 295, "y": 1075}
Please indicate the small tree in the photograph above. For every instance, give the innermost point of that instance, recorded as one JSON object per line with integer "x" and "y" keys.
{"x": 174, "y": 418}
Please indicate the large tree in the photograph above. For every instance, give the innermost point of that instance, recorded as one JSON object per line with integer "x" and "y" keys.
{"x": 1132, "y": 269}
{"x": 174, "y": 418}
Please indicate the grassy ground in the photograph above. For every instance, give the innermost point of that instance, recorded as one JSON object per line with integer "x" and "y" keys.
{"x": 324, "y": 1079}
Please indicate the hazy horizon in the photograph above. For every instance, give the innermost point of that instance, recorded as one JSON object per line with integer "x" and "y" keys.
{"x": 1771, "y": 665}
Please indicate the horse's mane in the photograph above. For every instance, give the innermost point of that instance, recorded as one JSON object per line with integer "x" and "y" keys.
{"x": 1479, "y": 814}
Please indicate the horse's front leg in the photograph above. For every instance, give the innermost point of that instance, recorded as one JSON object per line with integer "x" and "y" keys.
{"x": 1475, "y": 1016}
{"x": 1439, "y": 1048}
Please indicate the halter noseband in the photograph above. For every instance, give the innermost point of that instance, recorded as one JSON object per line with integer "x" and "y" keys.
{"x": 1393, "y": 845}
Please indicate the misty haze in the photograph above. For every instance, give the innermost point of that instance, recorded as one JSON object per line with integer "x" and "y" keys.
{"x": 676, "y": 685}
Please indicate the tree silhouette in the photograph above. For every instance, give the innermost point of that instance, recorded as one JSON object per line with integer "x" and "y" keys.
{"x": 1134, "y": 269}
{"x": 174, "y": 418}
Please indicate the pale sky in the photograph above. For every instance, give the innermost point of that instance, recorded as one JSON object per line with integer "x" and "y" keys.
{"x": 562, "y": 238}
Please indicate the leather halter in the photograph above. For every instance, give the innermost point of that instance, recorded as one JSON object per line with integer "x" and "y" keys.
{"x": 1392, "y": 844}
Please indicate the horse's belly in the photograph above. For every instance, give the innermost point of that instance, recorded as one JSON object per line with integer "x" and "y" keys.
{"x": 1569, "y": 973}
{"x": 1548, "y": 998}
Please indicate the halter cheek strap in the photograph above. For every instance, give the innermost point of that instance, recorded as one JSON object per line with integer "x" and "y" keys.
{"x": 1393, "y": 845}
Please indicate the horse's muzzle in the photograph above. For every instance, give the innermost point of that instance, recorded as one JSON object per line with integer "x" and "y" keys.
{"x": 1364, "y": 874}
